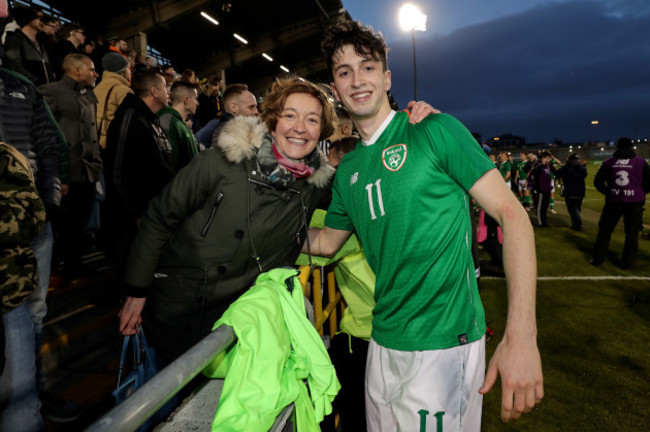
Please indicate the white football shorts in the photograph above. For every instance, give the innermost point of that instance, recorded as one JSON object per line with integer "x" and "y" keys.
{"x": 425, "y": 391}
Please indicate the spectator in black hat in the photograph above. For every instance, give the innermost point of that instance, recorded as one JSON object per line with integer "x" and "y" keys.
{"x": 23, "y": 53}
{"x": 573, "y": 175}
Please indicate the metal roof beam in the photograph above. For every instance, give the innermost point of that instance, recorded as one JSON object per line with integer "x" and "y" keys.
{"x": 146, "y": 19}
{"x": 266, "y": 43}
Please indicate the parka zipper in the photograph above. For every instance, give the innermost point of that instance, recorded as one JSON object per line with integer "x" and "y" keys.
{"x": 213, "y": 212}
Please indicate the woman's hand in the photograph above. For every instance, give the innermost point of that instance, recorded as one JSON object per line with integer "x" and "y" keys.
{"x": 419, "y": 110}
{"x": 131, "y": 315}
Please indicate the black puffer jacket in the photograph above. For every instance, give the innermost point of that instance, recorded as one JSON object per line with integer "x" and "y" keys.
{"x": 27, "y": 125}
{"x": 212, "y": 230}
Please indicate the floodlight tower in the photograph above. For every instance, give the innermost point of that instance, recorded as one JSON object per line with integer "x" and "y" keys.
{"x": 411, "y": 19}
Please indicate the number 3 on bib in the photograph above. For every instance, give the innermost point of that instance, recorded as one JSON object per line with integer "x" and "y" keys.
{"x": 380, "y": 200}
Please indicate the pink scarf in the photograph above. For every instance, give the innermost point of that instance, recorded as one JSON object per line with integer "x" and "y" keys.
{"x": 299, "y": 169}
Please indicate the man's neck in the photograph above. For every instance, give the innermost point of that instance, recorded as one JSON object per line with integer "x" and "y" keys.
{"x": 153, "y": 104}
{"x": 181, "y": 110}
{"x": 336, "y": 136}
{"x": 30, "y": 32}
{"x": 72, "y": 40}
{"x": 368, "y": 126}
{"x": 73, "y": 79}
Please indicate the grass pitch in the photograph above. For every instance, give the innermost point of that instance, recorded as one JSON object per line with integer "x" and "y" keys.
{"x": 593, "y": 333}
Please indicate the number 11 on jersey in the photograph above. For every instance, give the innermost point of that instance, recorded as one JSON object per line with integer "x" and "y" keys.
{"x": 380, "y": 199}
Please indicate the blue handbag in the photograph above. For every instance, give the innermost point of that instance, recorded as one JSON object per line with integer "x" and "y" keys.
{"x": 143, "y": 366}
{"x": 143, "y": 370}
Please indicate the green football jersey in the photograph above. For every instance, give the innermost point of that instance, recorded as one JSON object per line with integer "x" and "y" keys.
{"x": 406, "y": 197}
{"x": 523, "y": 171}
{"x": 505, "y": 168}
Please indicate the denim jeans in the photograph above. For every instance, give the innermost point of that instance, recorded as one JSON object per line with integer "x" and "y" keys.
{"x": 42, "y": 247}
{"x": 19, "y": 403}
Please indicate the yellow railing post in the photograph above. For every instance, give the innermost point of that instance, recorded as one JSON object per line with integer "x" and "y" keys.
{"x": 315, "y": 294}
{"x": 318, "y": 301}
{"x": 331, "y": 293}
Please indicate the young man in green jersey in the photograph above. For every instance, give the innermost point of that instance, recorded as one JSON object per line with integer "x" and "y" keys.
{"x": 523, "y": 167}
{"x": 505, "y": 167}
{"x": 404, "y": 190}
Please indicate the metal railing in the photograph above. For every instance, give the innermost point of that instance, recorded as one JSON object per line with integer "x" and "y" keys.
{"x": 135, "y": 410}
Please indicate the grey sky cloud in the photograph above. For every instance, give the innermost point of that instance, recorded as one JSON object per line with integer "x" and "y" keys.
{"x": 544, "y": 73}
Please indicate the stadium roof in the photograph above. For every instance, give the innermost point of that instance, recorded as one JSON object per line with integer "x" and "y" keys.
{"x": 287, "y": 31}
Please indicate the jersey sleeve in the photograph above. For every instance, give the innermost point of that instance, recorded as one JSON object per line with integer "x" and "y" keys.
{"x": 337, "y": 217}
{"x": 461, "y": 155}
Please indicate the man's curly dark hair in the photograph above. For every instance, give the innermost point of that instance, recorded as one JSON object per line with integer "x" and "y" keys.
{"x": 365, "y": 41}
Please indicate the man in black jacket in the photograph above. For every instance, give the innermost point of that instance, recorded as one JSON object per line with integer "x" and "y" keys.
{"x": 71, "y": 39}
{"x": 23, "y": 53}
{"x": 138, "y": 157}
{"x": 573, "y": 175}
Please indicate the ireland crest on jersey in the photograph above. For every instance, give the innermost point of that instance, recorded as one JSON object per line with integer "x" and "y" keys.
{"x": 394, "y": 157}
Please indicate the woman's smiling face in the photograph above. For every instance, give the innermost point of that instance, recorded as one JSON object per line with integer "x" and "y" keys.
{"x": 299, "y": 126}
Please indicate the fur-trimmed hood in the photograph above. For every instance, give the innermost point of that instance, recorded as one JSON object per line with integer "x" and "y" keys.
{"x": 241, "y": 138}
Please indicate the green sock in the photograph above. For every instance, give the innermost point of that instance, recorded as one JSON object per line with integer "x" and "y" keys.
{"x": 527, "y": 198}
{"x": 552, "y": 203}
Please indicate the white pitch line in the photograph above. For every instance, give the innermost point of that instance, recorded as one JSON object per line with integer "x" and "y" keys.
{"x": 586, "y": 278}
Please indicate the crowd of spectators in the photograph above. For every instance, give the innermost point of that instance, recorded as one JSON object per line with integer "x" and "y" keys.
{"x": 60, "y": 94}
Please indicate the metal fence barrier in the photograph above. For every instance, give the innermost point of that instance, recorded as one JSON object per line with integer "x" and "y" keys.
{"x": 134, "y": 411}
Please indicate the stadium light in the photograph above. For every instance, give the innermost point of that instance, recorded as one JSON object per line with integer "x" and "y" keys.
{"x": 268, "y": 57}
{"x": 244, "y": 41}
{"x": 411, "y": 19}
{"x": 284, "y": 69}
{"x": 209, "y": 18}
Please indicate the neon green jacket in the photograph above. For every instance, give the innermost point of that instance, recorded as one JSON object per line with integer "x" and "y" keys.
{"x": 277, "y": 348}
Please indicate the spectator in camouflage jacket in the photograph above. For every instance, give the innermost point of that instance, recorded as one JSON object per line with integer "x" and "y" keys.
{"x": 23, "y": 216}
